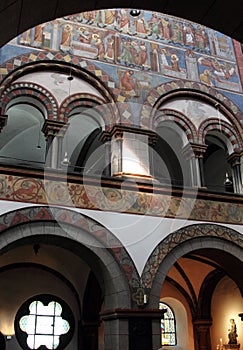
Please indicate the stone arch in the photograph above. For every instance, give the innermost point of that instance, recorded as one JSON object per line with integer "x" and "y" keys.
{"x": 28, "y": 62}
{"x": 183, "y": 241}
{"x": 177, "y": 117}
{"x": 89, "y": 101}
{"x": 74, "y": 229}
{"x": 177, "y": 88}
{"x": 224, "y": 128}
{"x": 32, "y": 90}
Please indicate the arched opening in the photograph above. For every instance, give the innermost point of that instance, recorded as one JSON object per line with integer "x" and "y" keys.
{"x": 74, "y": 272}
{"x": 169, "y": 161}
{"x": 217, "y": 171}
{"x": 202, "y": 276}
{"x": 82, "y": 141}
{"x": 22, "y": 141}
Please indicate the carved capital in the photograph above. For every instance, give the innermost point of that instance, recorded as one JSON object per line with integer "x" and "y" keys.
{"x": 54, "y": 128}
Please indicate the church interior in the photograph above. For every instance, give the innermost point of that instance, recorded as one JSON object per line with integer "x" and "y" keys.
{"x": 121, "y": 177}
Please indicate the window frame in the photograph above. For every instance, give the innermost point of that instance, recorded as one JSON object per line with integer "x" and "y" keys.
{"x": 24, "y": 310}
{"x": 163, "y": 305}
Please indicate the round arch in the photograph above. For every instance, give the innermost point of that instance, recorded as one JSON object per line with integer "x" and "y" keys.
{"x": 224, "y": 128}
{"x": 186, "y": 240}
{"x": 179, "y": 88}
{"x": 109, "y": 114}
{"x": 176, "y": 117}
{"x": 77, "y": 233}
{"x": 28, "y": 63}
{"x": 35, "y": 91}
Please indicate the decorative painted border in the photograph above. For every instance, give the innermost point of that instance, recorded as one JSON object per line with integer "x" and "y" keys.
{"x": 181, "y": 120}
{"x": 223, "y": 127}
{"x": 80, "y": 221}
{"x": 97, "y": 197}
{"x": 175, "y": 239}
{"x": 175, "y": 88}
{"x": 10, "y": 70}
{"x": 31, "y": 90}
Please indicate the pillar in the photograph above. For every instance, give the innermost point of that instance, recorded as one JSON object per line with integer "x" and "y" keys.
{"x": 54, "y": 132}
{"x": 235, "y": 161}
{"x": 132, "y": 329}
{"x": 202, "y": 334}
{"x": 194, "y": 154}
{"x": 129, "y": 151}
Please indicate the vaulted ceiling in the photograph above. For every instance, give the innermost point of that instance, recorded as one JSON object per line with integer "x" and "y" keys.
{"x": 18, "y": 15}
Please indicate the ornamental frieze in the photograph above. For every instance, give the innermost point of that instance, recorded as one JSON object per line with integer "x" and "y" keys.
{"x": 156, "y": 202}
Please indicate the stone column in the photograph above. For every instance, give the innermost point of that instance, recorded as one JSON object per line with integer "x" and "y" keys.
{"x": 202, "y": 334}
{"x": 132, "y": 329}
{"x": 194, "y": 154}
{"x": 54, "y": 132}
{"x": 235, "y": 161}
{"x": 107, "y": 159}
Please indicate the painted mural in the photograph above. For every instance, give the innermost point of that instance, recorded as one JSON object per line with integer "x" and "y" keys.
{"x": 95, "y": 197}
{"x": 151, "y": 42}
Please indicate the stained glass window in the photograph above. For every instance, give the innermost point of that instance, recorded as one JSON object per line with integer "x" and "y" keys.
{"x": 168, "y": 326}
{"x": 44, "y": 322}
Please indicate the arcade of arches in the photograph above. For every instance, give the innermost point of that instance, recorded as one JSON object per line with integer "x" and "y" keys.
{"x": 121, "y": 158}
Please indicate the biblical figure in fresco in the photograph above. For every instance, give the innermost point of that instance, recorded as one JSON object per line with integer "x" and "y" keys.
{"x": 140, "y": 27}
{"x": 163, "y": 57}
{"x": 84, "y": 35}
{"x": 38, "y": 35}
{"x": 127, "y": 82}
{"x": 66, "y": 36}
{"x": 99, "y": 44}
{"x": 126, "y": 52}
{"x": 155, "y": 26}
{"x": 143, "y": 55}
{"x": 175, "y": 62}
{"x": 177, "y": 30}
{"x": 109, "y": 52}
{"x": 166, "y": 29}
{"x": 124, "y": 21}
{"x": 189, "y": 35}
{"x": 111, "y": 17}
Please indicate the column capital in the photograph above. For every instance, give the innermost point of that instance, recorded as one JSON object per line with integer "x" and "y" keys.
{"x": 235, "y": 158}
{"x": 133, "y": 313}
{"x": 119, "y": 129}
{"x": 54, "y": 128}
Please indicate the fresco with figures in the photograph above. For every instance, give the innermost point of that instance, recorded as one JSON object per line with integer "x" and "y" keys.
{"x": 165, "y": 46}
